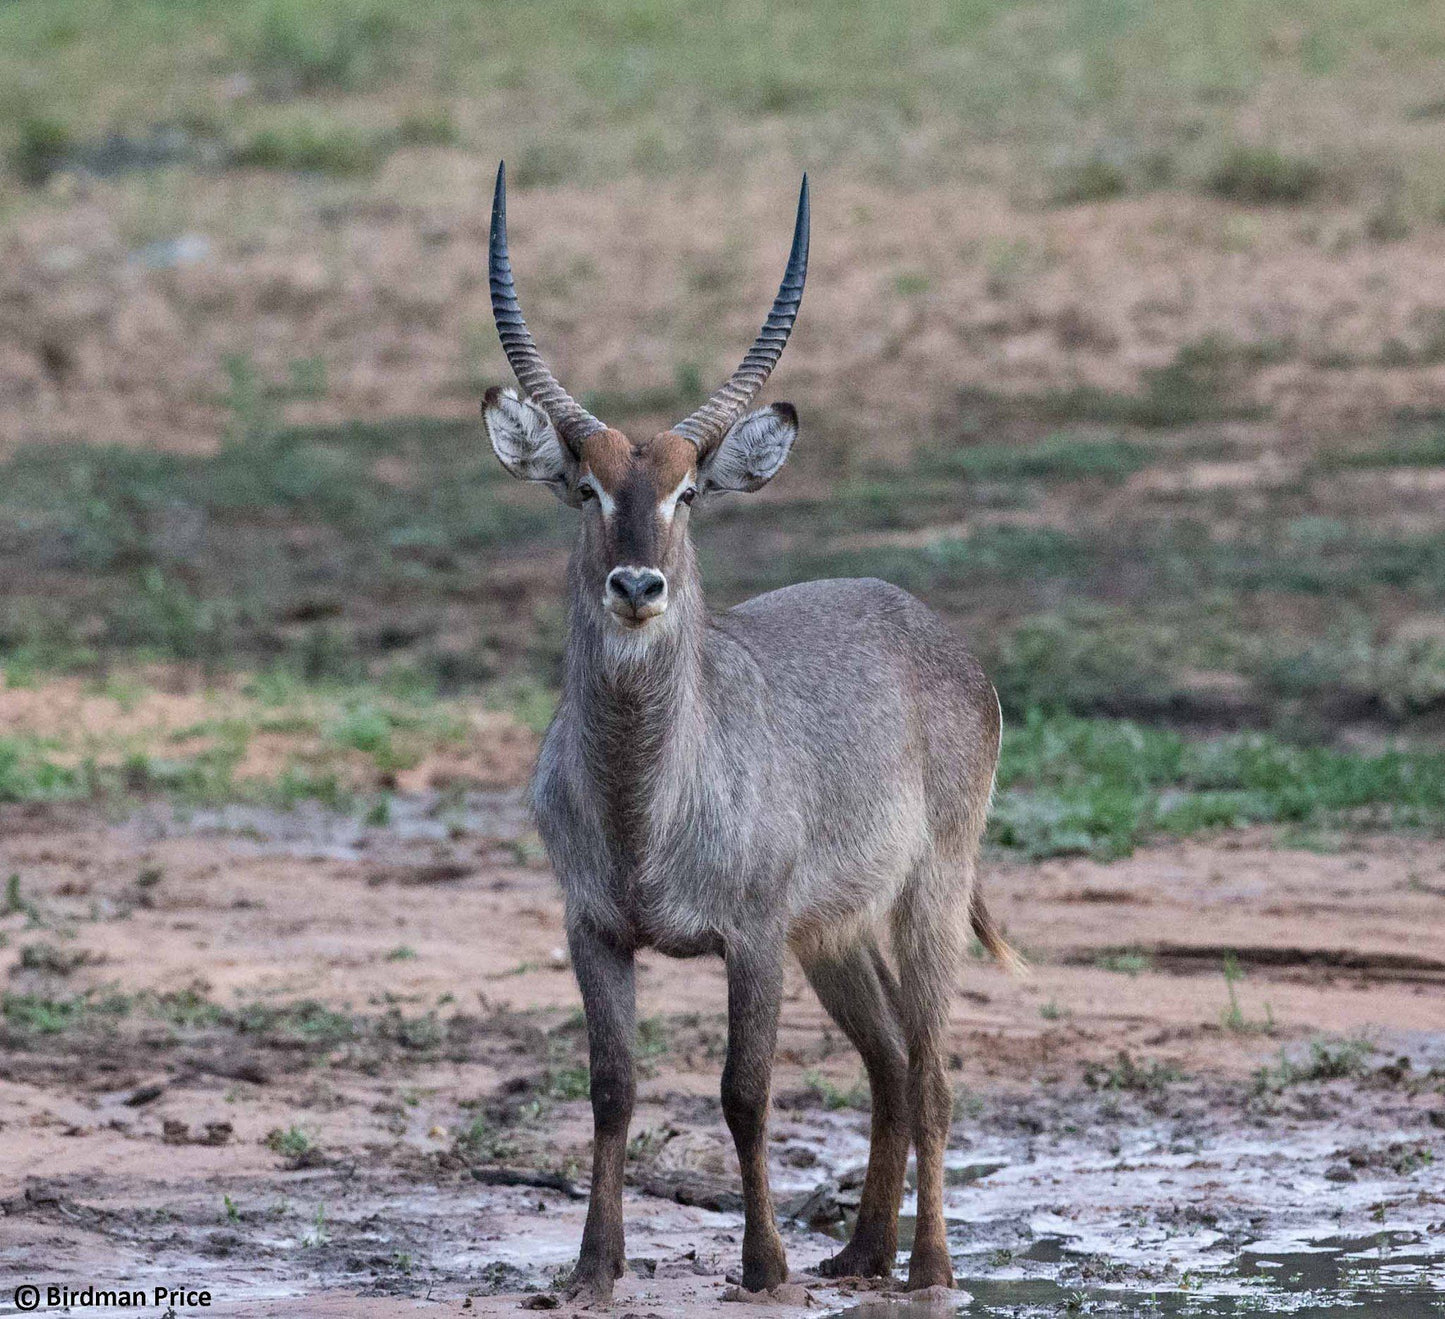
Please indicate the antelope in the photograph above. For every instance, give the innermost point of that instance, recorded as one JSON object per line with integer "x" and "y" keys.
{"x": 809, "y": 771}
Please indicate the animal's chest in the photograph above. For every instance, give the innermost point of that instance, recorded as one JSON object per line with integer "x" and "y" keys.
{"x": 649, "y": 876}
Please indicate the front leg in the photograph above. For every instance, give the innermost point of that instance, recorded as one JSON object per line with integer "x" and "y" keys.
{"x": 609, "y": 998}
{"x": 755, "y": 987}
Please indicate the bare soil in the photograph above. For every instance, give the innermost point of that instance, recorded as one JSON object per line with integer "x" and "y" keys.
{"x": 399, "y": 997}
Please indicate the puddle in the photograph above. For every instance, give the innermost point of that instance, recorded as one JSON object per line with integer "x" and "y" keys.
{"x": 1393, "y": 1275}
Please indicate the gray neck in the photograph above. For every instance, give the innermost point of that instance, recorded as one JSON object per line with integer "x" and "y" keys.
{"x": 636, "y": 704}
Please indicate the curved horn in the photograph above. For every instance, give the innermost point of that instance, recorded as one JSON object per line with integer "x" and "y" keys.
{"x": 573, "y": 422}
{"x": 706, "y": 427}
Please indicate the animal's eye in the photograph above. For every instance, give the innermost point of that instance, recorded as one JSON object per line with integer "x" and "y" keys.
{"x": 687, "y": 495}
{"x": 586, "y": 492}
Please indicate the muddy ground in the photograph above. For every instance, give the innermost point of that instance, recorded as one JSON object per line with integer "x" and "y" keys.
{"x": 300, "y": 1052}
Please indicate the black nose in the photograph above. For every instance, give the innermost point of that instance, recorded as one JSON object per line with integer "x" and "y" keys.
{"x": 639, "y": 587}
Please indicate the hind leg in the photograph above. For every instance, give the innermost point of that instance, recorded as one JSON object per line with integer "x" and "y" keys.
{"x": 856, "y": 987}
{"x": 928, "y": 925}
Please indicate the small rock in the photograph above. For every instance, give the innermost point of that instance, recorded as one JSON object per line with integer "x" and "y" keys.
{"x": 145, "y": 1094}
{"x": 175, "y": 1132}
{"x": 817, "y": 1208}
{"x": 1341, "y": 1172}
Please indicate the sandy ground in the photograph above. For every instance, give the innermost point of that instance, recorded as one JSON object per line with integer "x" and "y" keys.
{"x": 1114, "y": 1131}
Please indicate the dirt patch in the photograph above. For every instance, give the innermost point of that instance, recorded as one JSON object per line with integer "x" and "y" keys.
{"x": 104, "y": 348}
{"x": 285, "y": 1054}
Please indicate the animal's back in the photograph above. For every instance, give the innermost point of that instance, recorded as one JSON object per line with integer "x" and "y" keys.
{"x": 833, "y": 647}
{"x": 885, "y": 722}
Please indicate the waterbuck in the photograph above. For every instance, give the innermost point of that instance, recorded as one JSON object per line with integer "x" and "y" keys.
{"x": 809, "y": 771}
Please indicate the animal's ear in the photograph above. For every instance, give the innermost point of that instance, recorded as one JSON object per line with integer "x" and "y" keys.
{"x": 526, "y": 442}
{"x": 753, "y": 450}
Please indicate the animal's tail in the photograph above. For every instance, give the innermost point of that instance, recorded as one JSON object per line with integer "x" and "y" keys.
{"x": 989, "y": 936}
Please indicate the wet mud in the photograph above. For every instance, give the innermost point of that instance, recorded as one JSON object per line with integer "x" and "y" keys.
{"x": 298, "y": 1059}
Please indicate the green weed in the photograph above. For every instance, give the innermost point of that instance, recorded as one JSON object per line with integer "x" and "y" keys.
{"x": 833, "y": 1096}
{"x": 566, "y": 1083}
{"x": 1127, "y": 1074}
{"x": 1095, "y": 179}
{"x": 1325, "y": 1061}
{"x": 1060, "y": 457}
{"x": 41, "y": 145}
{"x": 1130, "y": 964}
{"x": 291, "y": 1142}
{"x": 1233, "y": 1018}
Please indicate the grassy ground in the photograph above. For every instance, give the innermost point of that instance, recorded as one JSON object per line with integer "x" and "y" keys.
{"x": 1120, "y": 350}
{"x": 1074, "y": 102}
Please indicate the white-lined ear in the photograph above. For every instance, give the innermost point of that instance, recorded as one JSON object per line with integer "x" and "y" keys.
{"x": 753, "y": 451}
{"x": 525, "y": 441}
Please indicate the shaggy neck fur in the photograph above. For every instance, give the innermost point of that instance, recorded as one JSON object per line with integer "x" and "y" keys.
{"x": 638, "y": 701}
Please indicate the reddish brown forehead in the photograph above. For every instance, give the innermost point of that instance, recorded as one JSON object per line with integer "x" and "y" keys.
{"x": 663, "y": 460}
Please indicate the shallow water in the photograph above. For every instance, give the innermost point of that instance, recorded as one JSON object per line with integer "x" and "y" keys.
{"x": 1392, "y": 1275}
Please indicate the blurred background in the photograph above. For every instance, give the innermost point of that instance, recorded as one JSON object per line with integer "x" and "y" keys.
{"x": 1124, "y": 342}
{"x": 1123, "y": 346}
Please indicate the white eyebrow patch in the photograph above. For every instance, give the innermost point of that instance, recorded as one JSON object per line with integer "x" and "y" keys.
{"x": 605, "y": 502}
{"x": 669, "y": 505}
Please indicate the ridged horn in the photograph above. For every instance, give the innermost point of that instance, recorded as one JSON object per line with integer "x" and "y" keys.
{"x": 707, "y": 426}
{"x": 573, "y": 422}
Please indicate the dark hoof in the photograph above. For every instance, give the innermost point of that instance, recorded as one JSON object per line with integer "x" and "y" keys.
{"x": 872, "y": 1262}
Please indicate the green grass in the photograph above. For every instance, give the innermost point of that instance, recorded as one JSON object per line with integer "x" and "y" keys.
{"x": 651, "y": 87}
{"x": 180, "y": 555}
{"x": 1264, "y": 175}
{"x": 1411, "y": 446}
{"x": 335, "y": 743}
{"x": 1086, "y": 660}
{"x": 1093, "y": 180}
{"x": 1102, "y": 787}
{"x": 567, "y": 1083}
{"x": 105, "y": 1009}
{"x": 313, "y": 147}
{"x": 294, "y": 49}
{"x": 1164, "y": 561}
{"x": 1060, "y": 457}
{"x": 291, "y": 1142}
{"x": 1396, "y": 679}
{"x": 836, "y": 1097}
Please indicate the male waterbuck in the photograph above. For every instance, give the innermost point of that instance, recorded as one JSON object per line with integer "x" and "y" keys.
{"x": 809, "y": 771}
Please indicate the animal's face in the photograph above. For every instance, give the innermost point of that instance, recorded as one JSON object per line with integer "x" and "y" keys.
{"x": 635, "y": 498}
